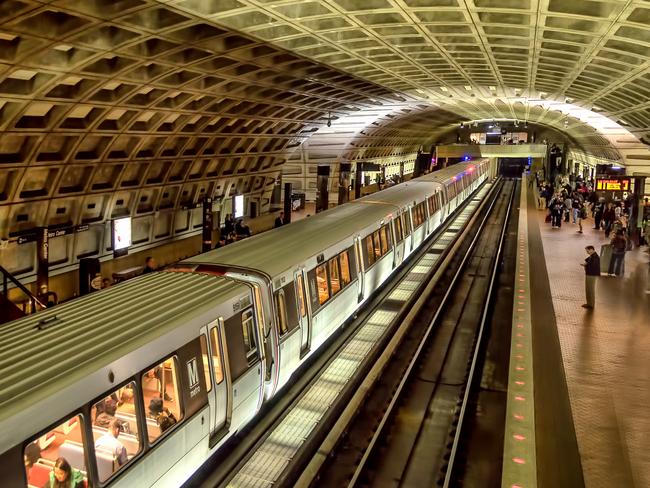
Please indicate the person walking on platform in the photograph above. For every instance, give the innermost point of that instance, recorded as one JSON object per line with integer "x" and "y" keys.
{"x": 557, "y": 208}
{"x": 582, "y": 214}
{"x": 619, "y": 246}
{"x": 592, "y": 271}
{"x": 608, "y": 218}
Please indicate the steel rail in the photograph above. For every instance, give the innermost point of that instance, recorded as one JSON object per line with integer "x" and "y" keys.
{"x": 425, "y": 338}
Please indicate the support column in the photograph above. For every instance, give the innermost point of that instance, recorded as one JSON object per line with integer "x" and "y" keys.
{"x": 382, "y": 181}
{"x": 401, "y": 171}
{"x": 322, "y": 193}
{"x": 43, "y": 261}
{"x": 288, "y": 204}
{"x": 636, "y": 213}
{"x": 206, "y": 243}
{"x": 344, "y": 182}
{"x": 358, "y": 183}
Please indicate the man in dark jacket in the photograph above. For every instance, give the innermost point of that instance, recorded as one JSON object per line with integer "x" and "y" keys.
{"x": 279, "y": 221}
{"x": 609, "y": 215}
{"x": 149, "y": 265}
{"x": 592, "y": 271}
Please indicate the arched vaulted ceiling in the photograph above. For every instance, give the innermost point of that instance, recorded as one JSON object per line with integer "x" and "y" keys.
{"x": 113, "y": 107}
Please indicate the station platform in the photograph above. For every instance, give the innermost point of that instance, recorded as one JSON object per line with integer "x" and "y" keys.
{"x": 590, "y": 367}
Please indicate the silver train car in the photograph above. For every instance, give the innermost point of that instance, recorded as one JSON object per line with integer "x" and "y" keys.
{"x": 139, "y": 384}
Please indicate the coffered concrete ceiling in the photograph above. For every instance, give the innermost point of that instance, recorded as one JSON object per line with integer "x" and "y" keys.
{"x": 115, "y": 107}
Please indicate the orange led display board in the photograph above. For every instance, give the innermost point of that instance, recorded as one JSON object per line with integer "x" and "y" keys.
{"x": 613, "y": 184}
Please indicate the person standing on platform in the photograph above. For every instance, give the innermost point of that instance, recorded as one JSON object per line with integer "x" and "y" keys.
{"x": 608, "y": 218}
{"x": 149, "y": 265}
{"x": 557, "y": 208}
{"x": 592, "y": 271}
{"x": 279, "y": 221}
{"x": 568, "y": 202}
{"x": 619, "y": 246}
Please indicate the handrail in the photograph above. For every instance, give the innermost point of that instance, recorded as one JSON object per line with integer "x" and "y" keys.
{"x": 6, "y": 275}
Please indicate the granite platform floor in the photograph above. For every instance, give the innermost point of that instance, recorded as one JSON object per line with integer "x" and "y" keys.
{"x": 606, "y": 355}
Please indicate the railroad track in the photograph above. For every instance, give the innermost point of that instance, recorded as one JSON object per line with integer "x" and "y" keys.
{"x": 408, "y": 431}
{"x": 249, "y": 452}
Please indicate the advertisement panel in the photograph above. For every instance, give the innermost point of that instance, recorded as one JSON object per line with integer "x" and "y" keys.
{"x": 238, "y": 206}
{"x": 121, "y": 235}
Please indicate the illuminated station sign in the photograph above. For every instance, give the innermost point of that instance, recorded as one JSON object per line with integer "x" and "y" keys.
{"x": 613, "y": 184}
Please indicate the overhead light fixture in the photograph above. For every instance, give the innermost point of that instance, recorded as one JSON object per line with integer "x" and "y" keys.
{"x": 468, "y": 88}
{"x": 444, "y": 88}
{"x": 492, "y": 88}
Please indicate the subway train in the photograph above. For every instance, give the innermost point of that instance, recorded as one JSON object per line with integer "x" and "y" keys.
{"x": 138, "y": 384}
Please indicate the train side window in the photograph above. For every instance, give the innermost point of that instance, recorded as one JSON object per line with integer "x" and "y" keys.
{"x": 345, "y": 269}
{"x": 281, "y": 306}
{"x": 115, "y": 427}
{"x": 217, "y": 360}
{"x": 383, "y": 233}
{"x": 206, "y": 362}
{"x": 398, "y": 230}
{"x": 302, "y": 306}
{"x": 406, "y": 224}
{"x": 377, "y": 244}
{"x": 335, "y": 279}
{"x": 370, "y": 252}
{"x": 59, "y": 450}
{"x": 161, "y": 399}
{"x": 321, "y": 281}
{"x": 248, "y": 329}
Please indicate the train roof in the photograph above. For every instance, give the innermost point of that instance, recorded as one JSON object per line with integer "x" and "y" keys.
{"x": 275, "y": 251}
{"x": 93, "y": 331}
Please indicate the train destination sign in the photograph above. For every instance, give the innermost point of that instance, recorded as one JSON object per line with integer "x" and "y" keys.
{"x": 613, "y": 184}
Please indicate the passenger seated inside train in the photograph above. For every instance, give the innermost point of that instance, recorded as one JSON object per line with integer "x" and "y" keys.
{"x": 65, "y": 476}
{"x": 109, "y": 442}
{"x": 159, "y": 388}
{"x": 56, "y": 458}
{"x": 164, "y": 417}
{"x": 115, "y": 430}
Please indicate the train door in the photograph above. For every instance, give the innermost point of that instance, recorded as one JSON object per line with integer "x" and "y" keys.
{"x": 360, "y": 267}
{"x": 398, "y": 241}
{"x": 409, "y": 217}
{"x": 268, "y": 338}
{"x": 304, "y": 314}
{"x": 220, "y": 396}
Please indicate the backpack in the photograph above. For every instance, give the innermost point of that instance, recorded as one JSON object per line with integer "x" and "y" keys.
{"x": 620, "y": 244}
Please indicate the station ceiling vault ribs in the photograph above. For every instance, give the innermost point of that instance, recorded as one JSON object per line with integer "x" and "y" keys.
{"x": 115, "y": 107}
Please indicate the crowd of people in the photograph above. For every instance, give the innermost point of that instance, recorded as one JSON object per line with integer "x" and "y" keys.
{"x": 572, "y": 204}
{"x": 232, "y": 231}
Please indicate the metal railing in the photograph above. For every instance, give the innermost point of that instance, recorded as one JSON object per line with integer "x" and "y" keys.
{"x": 32, "y": 299}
